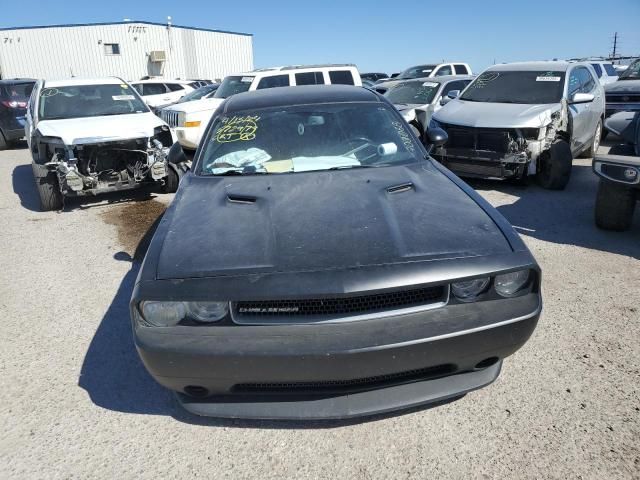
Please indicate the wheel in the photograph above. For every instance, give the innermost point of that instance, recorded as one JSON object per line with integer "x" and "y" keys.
{"x": 604, "y": 134}
{"x": 171, "y": 181}
{"x": 3, "y": 143}
{"x": 614, "y": 206}
{"x": 48, "y": 188}
{"x": 595, "y": 143}
{"x": 555, "y": 166}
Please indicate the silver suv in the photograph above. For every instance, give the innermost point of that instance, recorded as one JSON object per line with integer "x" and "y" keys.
{"x": 523, "y": 119}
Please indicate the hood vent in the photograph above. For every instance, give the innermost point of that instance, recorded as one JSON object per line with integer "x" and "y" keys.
{"x": 241, "y": 199}
{"x": 403, "y": 187}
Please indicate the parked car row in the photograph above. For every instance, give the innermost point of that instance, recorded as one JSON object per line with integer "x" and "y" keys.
{"x": 333, "y": 228}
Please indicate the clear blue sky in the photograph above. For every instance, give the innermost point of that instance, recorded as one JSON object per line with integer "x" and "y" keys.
{"x": 378, "y": 36}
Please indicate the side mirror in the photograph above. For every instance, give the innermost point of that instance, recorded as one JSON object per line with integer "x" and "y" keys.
{"x": 176, "y": 154}
{"x": 444, "y": 101}
{"x": 453, "y": 94}
{"x": 435, "y": 137}
{"x": 582, "y": 98}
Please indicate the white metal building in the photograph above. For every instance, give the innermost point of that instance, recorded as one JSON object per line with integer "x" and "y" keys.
{"x": 130, "y": 50}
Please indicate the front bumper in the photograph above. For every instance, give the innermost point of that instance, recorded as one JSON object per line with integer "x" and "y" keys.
{"x": 14, "y": 134}
{"x": 338, "y": 370}
{"x": 188, "y": 137}
{"x": 483, "y": 164}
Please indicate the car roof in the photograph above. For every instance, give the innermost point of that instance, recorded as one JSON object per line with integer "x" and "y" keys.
{"x": 439, "y": 79}
{"x": 9, "y": 81}
{"x": 163, "y": 80}
{"x": 76, "y": 81}
{"x": 301, "y": 95}
{"x": 556, "y": 66}
{"x": 295, "y": 68}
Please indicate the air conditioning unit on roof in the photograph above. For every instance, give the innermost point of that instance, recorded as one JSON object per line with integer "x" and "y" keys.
{"x": 158, "y": 56}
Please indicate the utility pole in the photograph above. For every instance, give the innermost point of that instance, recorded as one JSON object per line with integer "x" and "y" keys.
{"x": 615, "y": 45}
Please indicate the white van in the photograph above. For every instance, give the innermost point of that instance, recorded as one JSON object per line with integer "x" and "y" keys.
{"x": 189, "y": 120}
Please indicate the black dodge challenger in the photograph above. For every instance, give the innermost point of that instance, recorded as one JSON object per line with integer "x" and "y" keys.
{"x": 317, "y": 263}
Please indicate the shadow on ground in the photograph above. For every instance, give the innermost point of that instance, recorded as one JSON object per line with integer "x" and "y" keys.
{"x": 565, "y": 216}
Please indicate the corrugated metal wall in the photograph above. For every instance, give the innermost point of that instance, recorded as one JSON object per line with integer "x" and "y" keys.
{"x": 60, "y": 52}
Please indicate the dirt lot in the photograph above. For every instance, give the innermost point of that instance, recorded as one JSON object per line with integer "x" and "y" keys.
{"x": 75, "y": 401}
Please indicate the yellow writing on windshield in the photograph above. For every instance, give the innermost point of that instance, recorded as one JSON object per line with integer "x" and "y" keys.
{"x": 238, "y": 128}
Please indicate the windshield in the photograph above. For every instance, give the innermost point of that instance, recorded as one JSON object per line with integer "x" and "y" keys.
{"x": 418, "y": 71}
{"x": 526, "y": 87}
{"x": 232, "y": 85}
{"x": 199, "y": 93}
{"x": 611, "y": 71}
{"x": 631, "y": 73}
{"x": 413, "y": 92}
{"x": 307, "y": 138}
{"x": 89, "y": 101}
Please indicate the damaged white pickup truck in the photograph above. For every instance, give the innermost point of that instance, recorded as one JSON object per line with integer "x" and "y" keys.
{"x": 89, "y": 137}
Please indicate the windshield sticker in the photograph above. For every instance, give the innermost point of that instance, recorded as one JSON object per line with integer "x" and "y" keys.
{"x": 430, "y": 84}
{"x": 122, "y": 85}
{"x": 237, "y": 128}
{"x": 246, "y": 79}
{"x": 548, "y": 77}
{"x": 49, "y": 92}
{"x": 123, "y": 97}
{"x": 404, "y": 136}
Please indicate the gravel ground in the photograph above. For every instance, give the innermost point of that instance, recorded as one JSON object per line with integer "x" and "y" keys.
{"x": 77, "y": 403}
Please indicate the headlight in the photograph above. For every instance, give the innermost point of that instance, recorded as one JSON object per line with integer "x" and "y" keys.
{"x": 163, "y": 314}
{"x": 207, "y": 311}
{"x": 409, "y": 115}
{"x": 169, "y": 314}
{"x": 510, "y": 283}
{"x": 181, "y": 118}
{"x": 434, "y": 123}
{"x": 468, "y": 290}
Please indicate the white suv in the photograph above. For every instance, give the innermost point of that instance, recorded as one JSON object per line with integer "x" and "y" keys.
{"x": 189, "y": 120}
{"x": 160, "y": 92}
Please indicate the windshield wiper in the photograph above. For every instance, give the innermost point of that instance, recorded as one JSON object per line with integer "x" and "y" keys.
{"x": 231, "y": 173}
{"x": 347, "y": 167}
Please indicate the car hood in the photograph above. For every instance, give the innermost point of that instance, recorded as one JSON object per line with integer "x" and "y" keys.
{"x": 74, "y": 131}
{"x": 496, "y": 115}
{"x": 319, "y": 221}
{"x": 197, "y": 105}
{"x": 623, "y": 86}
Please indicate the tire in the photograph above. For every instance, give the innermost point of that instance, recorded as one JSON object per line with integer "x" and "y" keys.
{"x": 595, "y": 143}
{"x": 604, "y": 134}
{"x": 48, "y": 188}
{"x": 3, "y": 143}
{"x": 171, "y": 181}
{"x": 555, "y": 166}
{"x": 614, "y": 206}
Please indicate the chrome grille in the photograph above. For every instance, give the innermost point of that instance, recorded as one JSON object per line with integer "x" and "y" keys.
{"x": 170, "y": 117}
